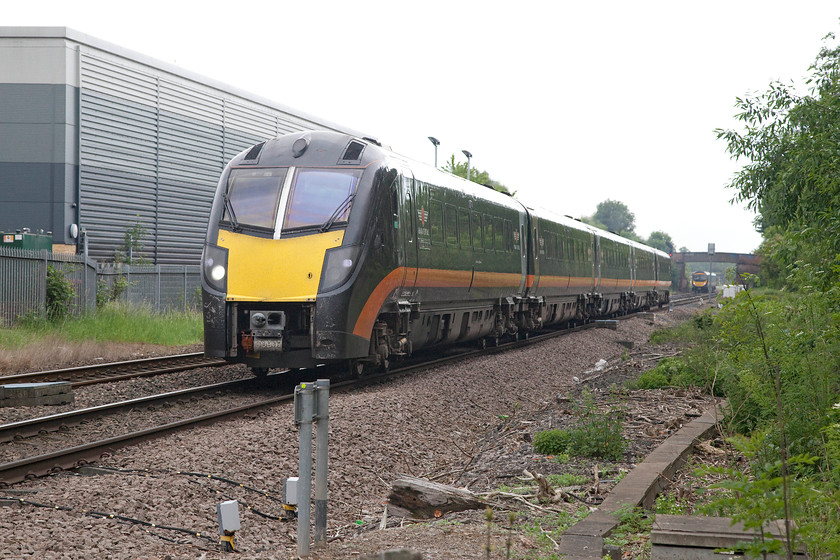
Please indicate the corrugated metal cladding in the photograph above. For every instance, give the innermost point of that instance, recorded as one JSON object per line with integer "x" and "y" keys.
{"x": 152, "y": 147}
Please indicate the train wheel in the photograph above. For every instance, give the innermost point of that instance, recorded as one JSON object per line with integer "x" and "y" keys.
{"x": 357, "y": 368}
{"x": 259, "y": 372}
{"x": 384, "y": 365}
{"x": 482, "y": 343}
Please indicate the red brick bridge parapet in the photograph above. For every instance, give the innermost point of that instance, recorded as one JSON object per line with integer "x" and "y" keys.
{"x": 745, "y": 263}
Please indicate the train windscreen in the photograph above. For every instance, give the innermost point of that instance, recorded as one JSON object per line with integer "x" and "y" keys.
{"x": 321, "y": 197}
{"x": 252, "y": 197}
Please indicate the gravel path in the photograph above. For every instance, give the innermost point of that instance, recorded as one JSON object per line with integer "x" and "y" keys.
{"x": 432, "y": 423}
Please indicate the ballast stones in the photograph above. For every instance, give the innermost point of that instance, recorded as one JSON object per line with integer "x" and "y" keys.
{"x": 36, "y": 394}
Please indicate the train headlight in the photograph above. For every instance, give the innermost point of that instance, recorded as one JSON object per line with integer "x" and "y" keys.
{"x": 338, "y": 266}
{"x": 214, "y": 267}
{"x": 217, "y": 272}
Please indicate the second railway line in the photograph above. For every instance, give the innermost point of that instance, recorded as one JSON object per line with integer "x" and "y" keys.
{"x": 118, "y": 424}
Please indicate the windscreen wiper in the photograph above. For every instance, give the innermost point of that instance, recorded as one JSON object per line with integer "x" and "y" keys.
{"x": 231, "y": 214}
{"x": 338, "y": 212}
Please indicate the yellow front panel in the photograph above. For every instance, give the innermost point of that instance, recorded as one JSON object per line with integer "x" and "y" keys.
{"x": 275, "y": 269}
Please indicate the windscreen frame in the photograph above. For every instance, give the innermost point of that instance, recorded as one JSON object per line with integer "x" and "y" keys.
{"x": 324, "y": 213}
{"x": 266, "y": 207}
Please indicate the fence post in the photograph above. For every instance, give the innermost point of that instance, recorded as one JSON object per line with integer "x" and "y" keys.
{"x": 158, "y": 289}
{"x": 185, "y": 288}
{"x": 43, "y": 294}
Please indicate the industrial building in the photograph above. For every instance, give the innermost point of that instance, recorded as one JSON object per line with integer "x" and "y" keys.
{"x": 95, "y": 139}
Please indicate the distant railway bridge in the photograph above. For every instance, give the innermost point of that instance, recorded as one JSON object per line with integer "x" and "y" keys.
{"x": 745, "y": 263}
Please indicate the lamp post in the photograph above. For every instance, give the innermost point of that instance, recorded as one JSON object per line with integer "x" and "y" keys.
{"x": 436, "y": 143}
{"x": 469, "y": 156}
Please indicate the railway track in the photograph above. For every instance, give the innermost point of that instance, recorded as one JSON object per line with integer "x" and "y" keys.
{"x": 687, "y": 299}
{"x": 281, "y": 387}
{"x": 116, "y": 371}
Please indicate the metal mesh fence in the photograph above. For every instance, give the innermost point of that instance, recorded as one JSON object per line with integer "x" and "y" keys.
{"x": 160, "y": 288}
{"x": 23, "y": 284}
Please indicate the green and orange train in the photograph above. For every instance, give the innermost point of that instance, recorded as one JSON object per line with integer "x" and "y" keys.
{"x": 324, "y": 248}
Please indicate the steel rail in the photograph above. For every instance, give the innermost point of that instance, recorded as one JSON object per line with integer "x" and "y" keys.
{"x": 70, "y": 458}
{"x": 55, "y": 422}
{"x": 97, "y": 373}
{"x": 65, "y": 459}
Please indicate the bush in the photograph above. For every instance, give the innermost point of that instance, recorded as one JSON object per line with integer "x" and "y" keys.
{"x": 106, "y": 294}
{"x": 600, "y": 436}
{"x": 597, "y": 435}
{"x": 552, "y": 442}
{"x": 651, "y": 379}
{"x": 60, "y": 294}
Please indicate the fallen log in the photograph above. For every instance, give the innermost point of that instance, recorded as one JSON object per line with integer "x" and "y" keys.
{"x": 423, "y": 499}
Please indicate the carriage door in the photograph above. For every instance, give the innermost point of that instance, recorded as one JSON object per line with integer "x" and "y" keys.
{"x": 596, "y": 261}
{"x": 409, "y": 232}
{"x": 537, "y": 243}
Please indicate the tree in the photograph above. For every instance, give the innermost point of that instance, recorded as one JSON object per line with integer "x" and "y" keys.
{"x": 130, "y": 252}
{"x": 792, "y": 172}
{"x": 615, "y": 216}
{"x": 476, "y": 175}
{"x": 662, "y": 241}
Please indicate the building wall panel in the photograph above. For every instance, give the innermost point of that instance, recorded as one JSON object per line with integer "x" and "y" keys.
{"x": 145, "y": 141}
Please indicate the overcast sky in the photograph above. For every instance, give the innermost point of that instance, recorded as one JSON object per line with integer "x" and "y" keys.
{"x": 567, "y": 103}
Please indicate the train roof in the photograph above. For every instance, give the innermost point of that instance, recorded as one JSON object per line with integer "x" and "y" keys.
{"x": 360, "y": 152}
{"x": 429, "y": 174}
{"x": 568, "y": 221}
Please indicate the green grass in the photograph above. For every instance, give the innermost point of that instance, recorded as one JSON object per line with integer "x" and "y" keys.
{"x": 113, "y": 323}
{"x": 546, "y": 530}
{"x": 14, "y": 339}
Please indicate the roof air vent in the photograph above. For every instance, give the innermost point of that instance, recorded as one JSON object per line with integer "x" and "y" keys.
{"x": 352, "y": 153}
{"x": 254, "y": 152}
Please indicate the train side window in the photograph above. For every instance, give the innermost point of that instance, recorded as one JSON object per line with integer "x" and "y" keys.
{"x": 395, "y": 199}
{"x": 551, "y": 245}
{"x": 508, "y": 237}
{"x": 464, "y": 228}
{"x": 488, "y": 233}
{"x": 409, "y": 217}
{"x": 499, "y": 233}
{"x": 436, "y": 222}
{"x": 477, "y": 234}
{"x": 451, "y": 220}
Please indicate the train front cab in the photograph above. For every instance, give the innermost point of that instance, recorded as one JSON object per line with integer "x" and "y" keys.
{"x": 699, "y": 282}
{"x": 286, "y": 240}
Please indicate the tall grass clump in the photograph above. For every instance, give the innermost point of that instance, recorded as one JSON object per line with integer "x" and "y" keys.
{"x": 122, "y": 323}
{"x": 113, "y": 323}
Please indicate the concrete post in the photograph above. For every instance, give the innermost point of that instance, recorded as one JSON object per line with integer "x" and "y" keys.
{"x": 305, "y": 397}
{"x": 322, "y": 420}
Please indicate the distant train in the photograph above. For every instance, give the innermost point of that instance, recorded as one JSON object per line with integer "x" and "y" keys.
{"x": 324, "y": 248}
{"x": 701, "y": 282}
